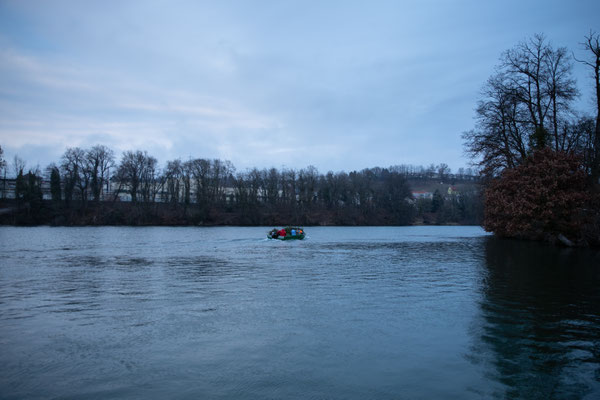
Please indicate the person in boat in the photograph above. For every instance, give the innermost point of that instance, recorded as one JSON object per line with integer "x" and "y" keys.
{"x": 285, "y": 232}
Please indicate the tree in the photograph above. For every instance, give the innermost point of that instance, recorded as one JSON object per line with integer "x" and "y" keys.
{"x": 396, "y": 197}
{"x": 221, "y": 172}
{"x": 540, "y": 199}
{"x": 136, "y": 172}
{"x": 151, "y": 181}
{"x": 470, "y": 207}
{"x": 437, "y": 201}
{"x": 499, "y": 138}
{"x": 259, "y": 190}
{"x": 75, "y": 173}
{"x": 20, "y": 187}
{"x": 524, "y": 65}
{"x": 592, "y": 45}
{"x": 3, "y": 171}
{"x": 525, "y": 105}
{"x": 18, "y": 165}
{"x": 173, "y": 178}
{"x": 561, "y": 90}
{"x": 200, "y": 175}
{"x": 307, "y": 184}
{"x": 187, "y": 170}
{"x": 271, "y": 183}
{"x": 288, "y": 181}
{"x": 55, "y": 189}
{"x": 99, "y": 160}
{"x": 443, "y": 170}
{"x": 33, "y": 193}
{"x": 2, "y": 161}
{"x": 28, "y": 194}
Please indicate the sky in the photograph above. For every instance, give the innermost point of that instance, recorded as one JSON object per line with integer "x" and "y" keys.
{"x": 340, "y": 85}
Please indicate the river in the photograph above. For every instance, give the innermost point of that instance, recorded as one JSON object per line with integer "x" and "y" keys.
{"x": 348, "y": 313}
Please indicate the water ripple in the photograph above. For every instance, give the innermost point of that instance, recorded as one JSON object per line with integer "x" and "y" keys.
{"x": 415, "y": 312}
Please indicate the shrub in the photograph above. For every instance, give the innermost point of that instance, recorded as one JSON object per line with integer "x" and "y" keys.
{"x": 540, "y": 199}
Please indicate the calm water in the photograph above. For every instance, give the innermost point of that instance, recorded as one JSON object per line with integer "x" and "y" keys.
{"x": 410, "y": 312}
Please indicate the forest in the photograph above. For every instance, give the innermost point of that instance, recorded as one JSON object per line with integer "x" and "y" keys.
{"x": 90, "y": 187}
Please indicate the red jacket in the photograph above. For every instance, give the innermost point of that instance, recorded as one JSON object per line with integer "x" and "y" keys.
{"x": 281, "y": 232}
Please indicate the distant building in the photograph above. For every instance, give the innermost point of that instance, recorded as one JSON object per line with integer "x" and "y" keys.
{"x": 422, "y": 194}
{"x": 8, "y": 188}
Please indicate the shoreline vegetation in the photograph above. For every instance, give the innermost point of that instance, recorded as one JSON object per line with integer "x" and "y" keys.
{"x": 539, "y": 156}
{"x": 384, "y": 199}
{"x": 126, "y": 215}
{"x": 90, "y": 187}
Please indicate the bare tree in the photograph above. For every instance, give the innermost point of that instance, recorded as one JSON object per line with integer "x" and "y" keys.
{"x": 241, "y": 191}
{"x": 561, "y": 90}
{"x": 99, "y": 160}
{"x": 524, "y": 65}
{"x": 173, "y": 178}
{"x": 150, "y": 182}
{"x": 307, "y": 184}
{"x": 256, "y": 186}
{"x": 500, "y": 137}
{"x": 135, "y": 172}
{"x": 269, "y": 180}
{"x": 525, "y": 105}
{"x": 592, "y": 46}
{"x": 18, "y": 165}
{"x": 443, "y": 170}
{"x": 3, "y": 171}
{"x": 201, "y": 176}
{"x": 187, "y": 171}
{"x": 2, "y": 161}
{"x": 75, "y": 174}
{"x": 541, "y": 79}
{"x": 221, "y": 172}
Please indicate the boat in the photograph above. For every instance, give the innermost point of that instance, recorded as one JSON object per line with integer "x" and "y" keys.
{"x": 287, "y": 233}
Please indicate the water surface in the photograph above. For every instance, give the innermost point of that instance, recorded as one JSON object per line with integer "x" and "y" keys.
{"x": 407, "y": 312}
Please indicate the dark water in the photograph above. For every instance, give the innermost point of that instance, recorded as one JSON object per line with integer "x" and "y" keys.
{"x": 411, "y": 312}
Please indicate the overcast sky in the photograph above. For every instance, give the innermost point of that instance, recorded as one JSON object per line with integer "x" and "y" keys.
{"x": 341, "y": 85}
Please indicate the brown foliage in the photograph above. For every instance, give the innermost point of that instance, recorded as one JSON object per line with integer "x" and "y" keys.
{"x": 540, "y": 199}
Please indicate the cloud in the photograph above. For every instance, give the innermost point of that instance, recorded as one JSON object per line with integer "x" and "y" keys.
{"x": 66, "y": 107}
{"x": 339, "y": 85}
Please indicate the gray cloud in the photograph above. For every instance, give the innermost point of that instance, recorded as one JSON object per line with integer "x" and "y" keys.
{"x": 340, "y": 85}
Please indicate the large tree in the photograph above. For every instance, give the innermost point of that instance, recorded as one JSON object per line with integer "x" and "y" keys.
{"x": 525, "y": 105}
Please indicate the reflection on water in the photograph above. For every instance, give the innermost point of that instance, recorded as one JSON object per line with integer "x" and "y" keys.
{"x": 540, "y": 327}
{"x": 351, "y": 313}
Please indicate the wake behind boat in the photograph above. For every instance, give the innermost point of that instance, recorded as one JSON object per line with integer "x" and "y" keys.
{"x": 287, "y": 233}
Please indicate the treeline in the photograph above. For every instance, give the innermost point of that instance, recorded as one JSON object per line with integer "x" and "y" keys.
{"x": 539, "y": 155}
{"x": 88, "y": 186}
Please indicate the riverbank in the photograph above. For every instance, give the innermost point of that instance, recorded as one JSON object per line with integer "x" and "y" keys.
{"x": 164, "y": 214}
